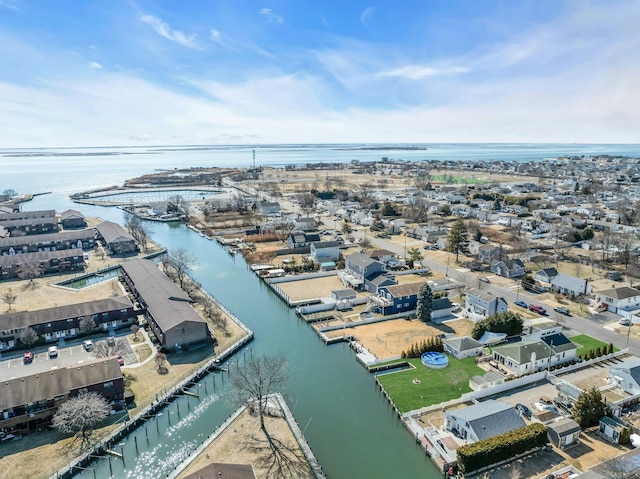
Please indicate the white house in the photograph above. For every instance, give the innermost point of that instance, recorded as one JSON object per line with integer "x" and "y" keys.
{"x": 483, "y": 420}
{"x": 463, "y": 347}
{"x": 626, "y": 375}
{"x": 482, "y": 304}
{"x": 619, "y": 300}
{"x": 531, "y": 356}
{"x": 322, "y": 251}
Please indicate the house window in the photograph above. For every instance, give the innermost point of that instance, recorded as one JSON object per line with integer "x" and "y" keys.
{"x": 108, "y": 385}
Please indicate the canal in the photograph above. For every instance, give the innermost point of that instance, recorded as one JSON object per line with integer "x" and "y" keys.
{"x": 350, "y": 427}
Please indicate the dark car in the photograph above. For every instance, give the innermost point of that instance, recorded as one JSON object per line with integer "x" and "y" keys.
{"x": 120, "y": 360}
{"x": 562, "y": 310}
{"x": 27, "y": 357}
{"x": 520, "y": 303}
{"x": 524, "y": 410}
{"x": 484, "y": 279}
{"x": 537, "y": 309}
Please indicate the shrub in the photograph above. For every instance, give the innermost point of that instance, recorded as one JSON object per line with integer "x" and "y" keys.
{"x": 477, "y": 455}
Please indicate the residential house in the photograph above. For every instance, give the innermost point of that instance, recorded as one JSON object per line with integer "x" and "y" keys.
{"x": 563, "y": 283}
{"x": 324, "y": 251}
{"x": 304, "y": 224}
{"x": 28, "y": 401}
{"x": 30, "y": 226}
{"x": 400, "y": 298}
{"x": 115, "y": 238}
{"x": 45, "y": 262}
{"x": 483, "y": 304}
{"x": 614, "y": 429}
{"x": 382, "y": 255}
{"x": 301, "y": 240}
{"x": 483, "y": 420}
{"x": 268, "y": 208}
{"x": 72, "y": 219}
{"x": 441, "y": 309}
{"x": 62, "y": 322}
{"x": 509, "y": 268}
{"x": 626, "y": 376}
{"x": 462, "y": 347}
{"x": 621, "y": 300}
{"x": 84, "y": 239}
{"x": 362, "y": 271}
{"x": 167, "y": 308}
{"x": 564, "y": 432}
{"x": 529, "y": 356}
{"x": 488, "y": 252}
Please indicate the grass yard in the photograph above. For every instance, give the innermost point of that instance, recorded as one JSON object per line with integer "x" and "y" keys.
{"x": 587, "y": 342}
{"x": 436, "y": 385}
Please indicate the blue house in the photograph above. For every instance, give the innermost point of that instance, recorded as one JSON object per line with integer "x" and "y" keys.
{"x": 400, "y": 298}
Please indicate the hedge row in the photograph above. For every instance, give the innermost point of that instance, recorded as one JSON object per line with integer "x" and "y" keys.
{"x": 477, "y": 455}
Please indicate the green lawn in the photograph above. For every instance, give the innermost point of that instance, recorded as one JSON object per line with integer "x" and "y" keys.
{"x": 587, "y": 342}
{"x": 435, "y": 384}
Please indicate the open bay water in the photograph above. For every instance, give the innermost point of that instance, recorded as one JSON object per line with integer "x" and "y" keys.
{"x": 349, "y": 425}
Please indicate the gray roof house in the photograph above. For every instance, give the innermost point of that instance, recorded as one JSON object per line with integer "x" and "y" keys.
{"x": 362, "y": 271}
{"x": 116, "y": 239}
{"x": 534, "y": 355}
{"x": 167, "y": 308}
{"x": 462, "y": 347}
{"x": 563, "y": 432}
{"x": 626, "y": 375}
{"x": 483, "y": 420}
{"x": 480, "y": 304}
{"x": 509, "y": 268}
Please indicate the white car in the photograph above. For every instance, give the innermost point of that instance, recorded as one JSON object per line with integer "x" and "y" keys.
{"x": 625, "y": 322}
{"x": 87, "y": 345}
{"x": 53, "y": 352}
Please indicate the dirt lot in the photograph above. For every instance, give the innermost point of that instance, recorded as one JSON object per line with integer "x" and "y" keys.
{"x": 232, "y": 446}
{"x": 311, "y": 288}
{"x": 389, "y": 338}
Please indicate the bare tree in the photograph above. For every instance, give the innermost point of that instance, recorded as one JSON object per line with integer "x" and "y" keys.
{"x": 181, "y": 262}
{"x": 80, "y": 414}
{"x": 307, "y": 200}
{"x": 9, "y": 298}
{"x": 254, "y": 382}
{"x": 30, "y": 271}
{"x": 134, "y": 329}
{"x": 137, "y": 228}
{"x": 29, "y": 337}
{"x": 87, "y": 325}
{"x": 161, "y": 363}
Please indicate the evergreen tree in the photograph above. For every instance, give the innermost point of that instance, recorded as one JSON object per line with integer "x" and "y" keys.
{"x": 590, "y": 408}
{"x": 457, "y": 240}
{"x": 425, "y": 303}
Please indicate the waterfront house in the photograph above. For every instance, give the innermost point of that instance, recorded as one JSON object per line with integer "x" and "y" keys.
{"x": 84, "y": 239}
{"x": 564, "y": 432}
{"x": 618, "y": 300}
{"x": 44, "y": 262}
{"x": 72, "y": 219}
{"x": 462, "y": 347}
{"x": 324, "y": 251}
{"x": 481, "y": 304}
{"x": 400, "y": 298}
{"x": 115, "y": 238}
{"x": 300, "y": 240}
{"x": 483, "y": 420}
{"x": 166, "y": 307}
{"x": 626, "y": 375}
{"x": 362, "y": 271}
{"x": 530, "y": 356}
{"x": 509, "y": 268}
{"x": 30, "y": 226}
{"x": 28, "y": 401}
{"x": 61, "y": 322}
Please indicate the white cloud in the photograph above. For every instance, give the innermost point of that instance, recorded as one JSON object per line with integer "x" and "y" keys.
{"x": 163, "y": 29}
{"x": 95, "y": 65}
{"x": 270, "y": 16}
{"x": 10, "y": 4}
{"x": 418, "y": 72}
{"x": 367, "y": 16}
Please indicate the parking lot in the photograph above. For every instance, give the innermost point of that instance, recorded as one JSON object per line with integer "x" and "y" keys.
{"x": 67, "y": 355}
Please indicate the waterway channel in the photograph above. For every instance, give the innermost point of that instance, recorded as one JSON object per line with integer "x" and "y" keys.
{"x": 350, "y": 427}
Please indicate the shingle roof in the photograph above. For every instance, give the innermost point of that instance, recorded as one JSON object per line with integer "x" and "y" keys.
{"x": 521, "y": 352}
{"x": 631, "y": 365}
{"x": 111, "y": 232}
{"x": 489, "y": 418}
{"x": 559, "y": 342}
{"x": 57, "y": 382}
{"x": 169, "y": 305}
{"x": 361, "y": 259}
{"x": 403, "y": 290}
{"x": 39, "y": 256}
{"x": 46, "y": 238}
{"x": 564, "y": 426}
{"x": 23, "y": 319}
{"x": 463, "y": 343}
{"x": 70, "y": 213}
{"x": 567, "y": 281}
{"x": 624, "y": 292}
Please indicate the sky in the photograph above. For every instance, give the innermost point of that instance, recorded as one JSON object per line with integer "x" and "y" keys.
{"x": 185, "y": 72}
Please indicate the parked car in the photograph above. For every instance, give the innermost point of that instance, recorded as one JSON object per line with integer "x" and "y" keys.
{"x": 87, "y": 345}
{"x": 53, "y": 352}
{"x": 27, "y": 357}
{"x": 625, "y": 322}
{"x": 521, "y": 303}
{"x": 524, "y": 410}
{"x": 120, "y": 360}
{"x": 484, "y": 279}
{"x": 455, "y": 307}
{"x": 562, "y": 310}
{"x": 537, "y": 309}
{"x": 111, "y": 341}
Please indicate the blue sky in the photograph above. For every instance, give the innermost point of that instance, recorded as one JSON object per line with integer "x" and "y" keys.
{"x": 118, "y": 72}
